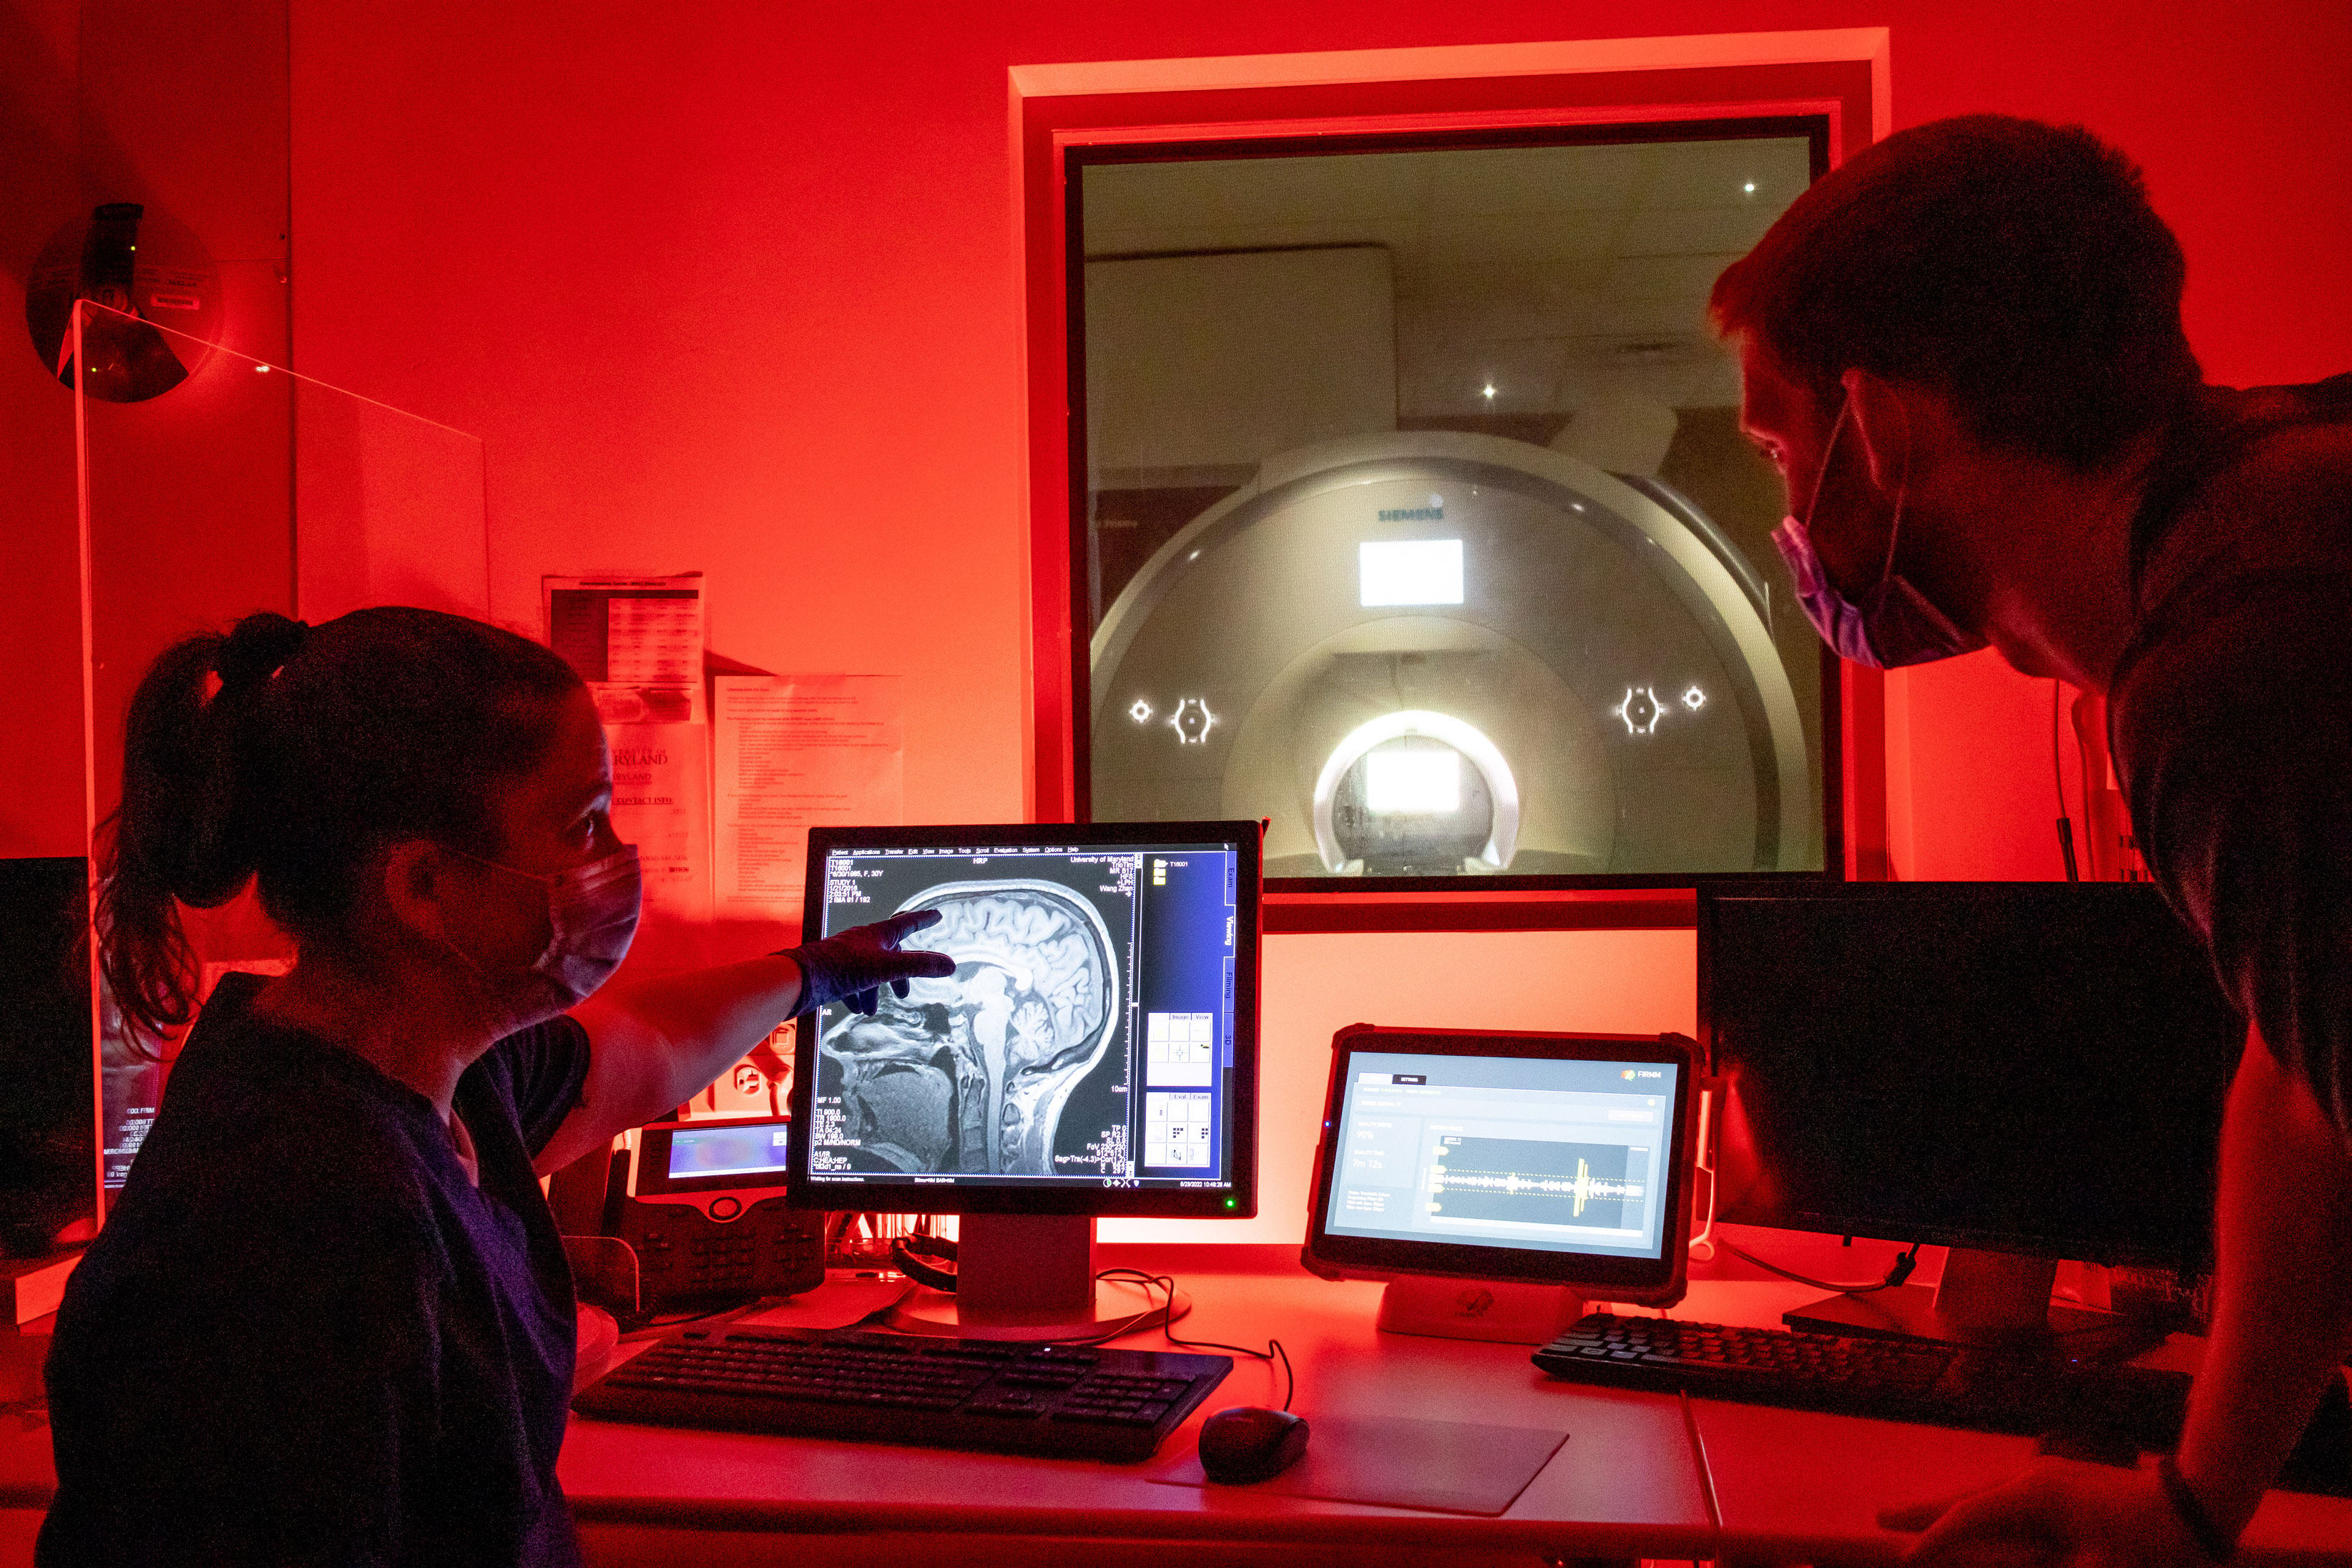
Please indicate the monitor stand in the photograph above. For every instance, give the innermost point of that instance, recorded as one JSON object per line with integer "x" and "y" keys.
{"x": 1029, "y": 1277}
{"x": 1985, "y": 1301}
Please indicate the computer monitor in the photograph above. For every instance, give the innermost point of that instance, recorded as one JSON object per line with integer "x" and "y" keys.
{"x": 1095, "y": 1052}
{"x": 49, "y": 1177}
{"x": 2021, "y": 1071}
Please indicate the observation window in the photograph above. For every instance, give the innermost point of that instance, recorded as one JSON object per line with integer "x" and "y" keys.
{"x": 1409, "y": 509}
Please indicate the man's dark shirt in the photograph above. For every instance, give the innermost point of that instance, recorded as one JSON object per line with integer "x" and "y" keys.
{"x": 304, "y": 1336}
{"x": 2231, "y": 708}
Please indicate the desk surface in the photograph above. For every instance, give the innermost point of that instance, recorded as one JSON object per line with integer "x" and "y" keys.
{"x": 1640, "y": 1475}
{"x": 1623, "y": 1484}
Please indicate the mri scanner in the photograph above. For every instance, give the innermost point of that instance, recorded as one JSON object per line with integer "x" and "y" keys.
{"x": 1432, "y": 653}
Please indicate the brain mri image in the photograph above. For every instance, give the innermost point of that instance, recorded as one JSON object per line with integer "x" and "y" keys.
{"x": 969, "y": 1074}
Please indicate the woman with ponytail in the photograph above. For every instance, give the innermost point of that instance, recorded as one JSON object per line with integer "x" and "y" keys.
{"x": 329, "y": 1320}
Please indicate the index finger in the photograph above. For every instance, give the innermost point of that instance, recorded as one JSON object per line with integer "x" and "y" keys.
{"x": 899, "y": 928}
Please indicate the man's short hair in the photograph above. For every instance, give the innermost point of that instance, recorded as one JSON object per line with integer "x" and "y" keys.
{"x": 2014, "y": 266}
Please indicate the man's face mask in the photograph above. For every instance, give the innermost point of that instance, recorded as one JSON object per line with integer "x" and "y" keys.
{"x": 1892, "y": 623}
{"x": 592, "y": 917}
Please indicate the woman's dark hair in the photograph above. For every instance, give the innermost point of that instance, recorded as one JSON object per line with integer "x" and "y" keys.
{"x": 287, "y": 754}
{"x": 2015, "y": 267}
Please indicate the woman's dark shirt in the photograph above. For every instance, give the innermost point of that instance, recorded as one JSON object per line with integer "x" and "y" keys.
{"x": 304, "y": 1336}
{"x": 2231, "y": 708}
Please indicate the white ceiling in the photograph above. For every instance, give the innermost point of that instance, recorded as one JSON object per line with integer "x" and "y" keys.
{"x": 1552, "y": 273}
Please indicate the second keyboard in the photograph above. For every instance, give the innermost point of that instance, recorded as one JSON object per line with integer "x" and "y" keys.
{"x": 1903, "y": 1380}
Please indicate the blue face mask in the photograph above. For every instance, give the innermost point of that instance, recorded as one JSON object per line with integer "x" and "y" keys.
{"x": 1892, "y": 623}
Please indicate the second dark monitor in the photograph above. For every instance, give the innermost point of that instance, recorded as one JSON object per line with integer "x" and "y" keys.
{"x": 2033, "y": 1067}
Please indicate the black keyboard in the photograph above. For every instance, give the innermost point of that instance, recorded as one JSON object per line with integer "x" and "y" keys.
{"x": 1903, "y": 1380}
{"x": 1068, "y": 1401}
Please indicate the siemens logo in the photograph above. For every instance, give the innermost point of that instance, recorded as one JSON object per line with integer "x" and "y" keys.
{"x": 1413, "y": 514}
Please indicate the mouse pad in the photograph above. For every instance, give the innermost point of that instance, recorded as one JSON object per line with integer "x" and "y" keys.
{"x": 1451, "y": 1466}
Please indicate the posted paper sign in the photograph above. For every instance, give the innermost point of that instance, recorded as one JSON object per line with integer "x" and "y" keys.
{"x": 661, "y": 782}
{"x": 793, "y": 752}
{"x": 636, "y": 641}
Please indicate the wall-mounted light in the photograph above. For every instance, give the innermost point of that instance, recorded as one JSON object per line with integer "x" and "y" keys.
{"x": 141, "y": 272}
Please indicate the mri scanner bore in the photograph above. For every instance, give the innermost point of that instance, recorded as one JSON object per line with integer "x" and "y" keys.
{"x": 1439, "y": 653}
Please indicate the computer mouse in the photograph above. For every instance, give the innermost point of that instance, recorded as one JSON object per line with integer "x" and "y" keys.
{"x": 1249, "y": 1443}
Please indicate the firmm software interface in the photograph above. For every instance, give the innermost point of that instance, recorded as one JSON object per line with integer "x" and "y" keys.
{"x": 1556, "y": 1157}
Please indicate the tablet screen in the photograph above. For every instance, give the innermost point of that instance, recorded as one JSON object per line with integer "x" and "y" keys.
{"x": 1505, "y": 1151}
{"x": 1511, "y": 1155}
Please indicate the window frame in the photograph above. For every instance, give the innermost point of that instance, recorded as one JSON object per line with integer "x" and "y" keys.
{"x": 1366, "y": 99}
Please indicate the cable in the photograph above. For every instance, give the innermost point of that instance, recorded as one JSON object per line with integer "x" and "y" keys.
{"x": 2058, "y": 777}
{"x": 1167, "y": 1283}
{"x": 1144, "y": 1320}
{"x": 1896, "y": 1274}
{"x": 1703, "y": 1159}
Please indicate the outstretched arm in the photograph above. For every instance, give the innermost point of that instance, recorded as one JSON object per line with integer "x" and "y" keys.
{"x": 2282, "y": 1302}
{"x": 2283, "y": 1306}
{"x": 655, "y": 1043}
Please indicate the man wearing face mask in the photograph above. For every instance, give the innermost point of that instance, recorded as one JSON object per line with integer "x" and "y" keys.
{"x": 1963, "y": 350}
{"x": 330, "y": 1320}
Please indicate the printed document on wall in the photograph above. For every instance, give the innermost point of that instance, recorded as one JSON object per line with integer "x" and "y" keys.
{"x": 638, "y": 641}
{"x": 661, "y": 803}
{"x": 793, "y": 752}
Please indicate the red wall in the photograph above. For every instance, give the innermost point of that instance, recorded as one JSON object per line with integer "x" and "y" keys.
{"x": 40, "y": 636}
{"x": 182, "y": 109}
{"x": 737, "y": 289}
{"x": 739, "y": 292}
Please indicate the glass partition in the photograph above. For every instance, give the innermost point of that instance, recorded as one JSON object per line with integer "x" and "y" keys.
{"x": 239, "y": 486}
{"x": 1416, "y": 518}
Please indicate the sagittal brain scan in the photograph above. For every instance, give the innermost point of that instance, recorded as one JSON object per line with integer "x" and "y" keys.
{"x": 1083, "y": 1037}
{"x": 970, "y": 1073}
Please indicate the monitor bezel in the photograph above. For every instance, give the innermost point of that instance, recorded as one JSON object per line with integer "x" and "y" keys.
{"x": 1658, "y": 1281}
{"x": 1235, "y": 1200}
{"x": 1732, "y": 1204}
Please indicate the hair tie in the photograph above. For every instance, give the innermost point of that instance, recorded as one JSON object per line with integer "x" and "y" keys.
{"x": 260, "y": 646}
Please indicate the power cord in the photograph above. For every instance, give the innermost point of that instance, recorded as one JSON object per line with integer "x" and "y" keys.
{"x": 1167, "y": 1285}
{"x": 1896, "y": 1274}
{"x": 1702, "y": 1246}
{"x": 2058, "y": 775}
